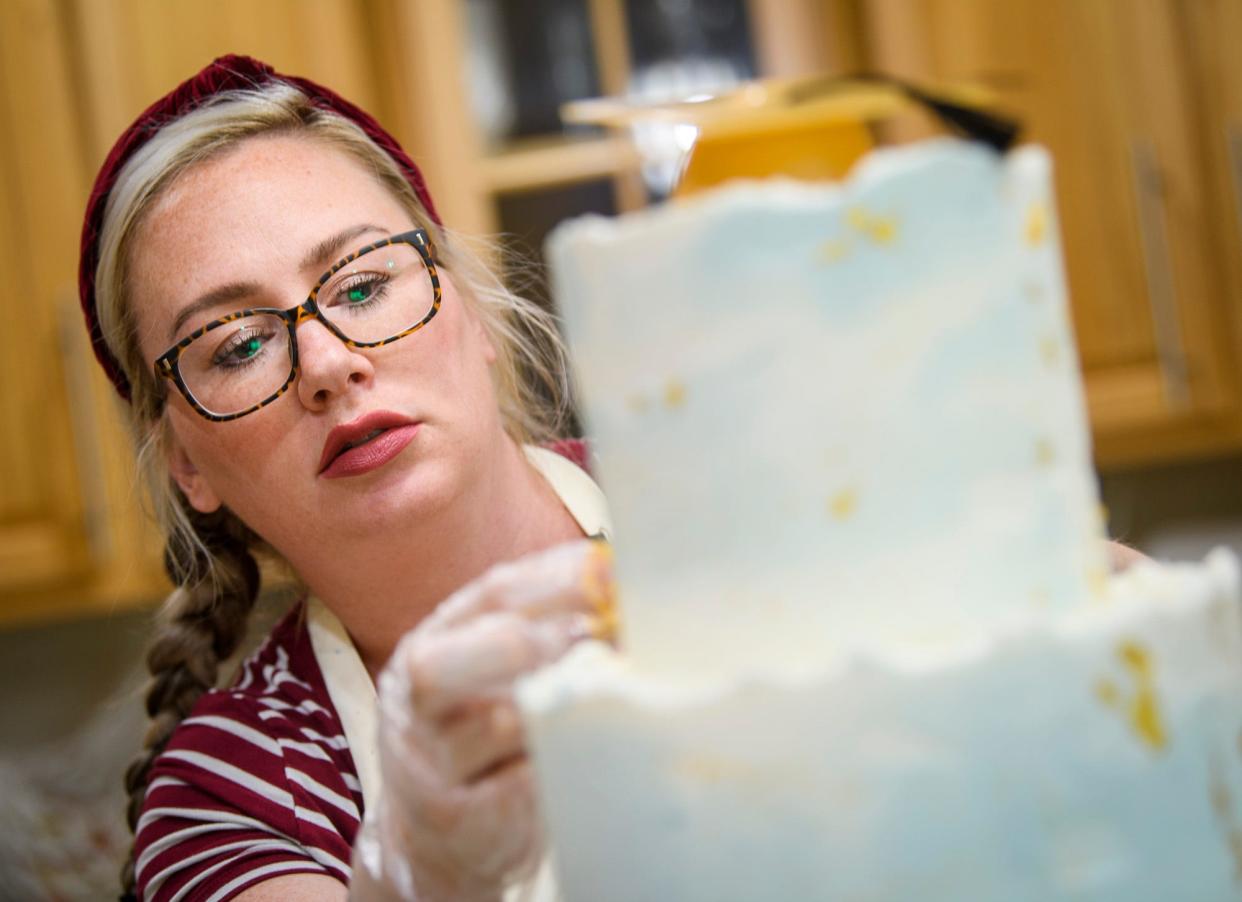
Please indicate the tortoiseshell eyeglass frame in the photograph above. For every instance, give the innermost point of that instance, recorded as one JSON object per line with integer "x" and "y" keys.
{"x": 167, "y": 365}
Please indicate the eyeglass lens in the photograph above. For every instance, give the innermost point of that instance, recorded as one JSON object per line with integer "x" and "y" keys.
{"x": 243, "y": 362}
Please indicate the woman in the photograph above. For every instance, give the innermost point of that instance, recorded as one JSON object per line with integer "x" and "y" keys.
{"x": 315, "y": 369}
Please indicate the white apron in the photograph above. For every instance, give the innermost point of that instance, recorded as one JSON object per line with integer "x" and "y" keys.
{"x": 353, "y": 694}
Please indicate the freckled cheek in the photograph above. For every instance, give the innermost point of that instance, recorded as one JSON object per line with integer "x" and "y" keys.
{"x": 249, "y": 453}
{"x": 438, "y": 353}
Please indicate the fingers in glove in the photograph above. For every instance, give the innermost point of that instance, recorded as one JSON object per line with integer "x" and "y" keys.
{"x": 505, "y": 797}
{"x": 463, "y": 842}
{"x": 573, "y": 577}
{"x": 478, "y": 740}
{"x": 487, "y": 654}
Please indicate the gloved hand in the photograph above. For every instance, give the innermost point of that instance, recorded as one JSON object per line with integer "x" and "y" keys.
{"x": 458, "y": 819}
{"x": 1122, "y": 557}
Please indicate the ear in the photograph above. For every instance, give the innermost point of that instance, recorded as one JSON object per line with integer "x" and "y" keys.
{"x": 192, "y": 483}
{"x": 489, "y": 350}
{"x": 474, "y": 326}
{"x": 485, "y": 340}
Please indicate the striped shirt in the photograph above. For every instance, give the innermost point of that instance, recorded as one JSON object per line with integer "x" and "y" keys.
{"x": 257, "y": 782}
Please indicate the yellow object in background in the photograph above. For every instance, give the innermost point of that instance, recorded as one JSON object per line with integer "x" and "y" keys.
{"x": 812, "y": 151}
{"x": 812, "y": 128}
{"x": 783, "y": 128}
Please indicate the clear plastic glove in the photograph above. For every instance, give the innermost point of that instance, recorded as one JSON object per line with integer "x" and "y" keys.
{"x": 458, "y": 818}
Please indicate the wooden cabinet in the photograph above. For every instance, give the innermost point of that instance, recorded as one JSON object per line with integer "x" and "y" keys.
{"x": 1141, "y": 104}
{"x": 73, "y": 536}
{"x": 474, "y": 176}
{"x": 1136, "y": 102}
{"x": 46, "y": 492}
{"x": 74, "y": 539}
{"x": 130, "y": 52}
{"x": 1212, "y": 32}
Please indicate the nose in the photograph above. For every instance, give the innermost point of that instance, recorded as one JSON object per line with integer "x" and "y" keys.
{"x": 327, "y": 366}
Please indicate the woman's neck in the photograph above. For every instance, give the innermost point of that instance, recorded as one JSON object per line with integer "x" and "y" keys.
{"x": 508, "y": 512}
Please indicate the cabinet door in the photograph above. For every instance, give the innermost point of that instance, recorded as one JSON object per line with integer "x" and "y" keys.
{"x": 73, "y": 74}
{"x": 136, "y": 50}
{"x": 1193, "y": 406}
{"x": 1107, "y": 85}
{"x": 1213, "y": 31}
{"x": 43, "y": 534}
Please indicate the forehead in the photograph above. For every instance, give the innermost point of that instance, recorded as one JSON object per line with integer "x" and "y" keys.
{"x": 277, "y": 195}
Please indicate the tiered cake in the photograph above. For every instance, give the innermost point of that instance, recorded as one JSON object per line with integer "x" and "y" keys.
{"x": 871, "y": 647}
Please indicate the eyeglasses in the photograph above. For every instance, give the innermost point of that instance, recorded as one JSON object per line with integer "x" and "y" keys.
{"x": 242, "y": 362}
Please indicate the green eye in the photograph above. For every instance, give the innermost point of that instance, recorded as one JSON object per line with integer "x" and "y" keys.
{"x": 360, "y": 292}
{"x": 249, "y": 349}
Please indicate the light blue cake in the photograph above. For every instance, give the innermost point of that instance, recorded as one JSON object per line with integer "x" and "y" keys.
{"x": 871, "y": 648}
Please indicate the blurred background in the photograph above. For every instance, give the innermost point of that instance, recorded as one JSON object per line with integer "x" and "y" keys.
{"x": 1139, "y": 100}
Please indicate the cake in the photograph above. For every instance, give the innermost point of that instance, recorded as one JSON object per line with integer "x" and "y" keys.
{"x": 871, "y": 649}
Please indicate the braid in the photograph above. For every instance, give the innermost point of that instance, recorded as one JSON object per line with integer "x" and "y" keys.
{"x": 203, "y": 621}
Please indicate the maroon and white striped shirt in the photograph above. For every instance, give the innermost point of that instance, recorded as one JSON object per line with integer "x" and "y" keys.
{"x": 257, "y": 782}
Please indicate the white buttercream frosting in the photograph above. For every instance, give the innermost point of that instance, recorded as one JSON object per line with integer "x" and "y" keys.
{"x": 1094, "y": 756}
{"x": 871, "y": 650}
{"x": 824, "y": 414}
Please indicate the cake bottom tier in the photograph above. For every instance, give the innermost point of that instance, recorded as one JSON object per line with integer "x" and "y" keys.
{"x": 1095, "y": 756}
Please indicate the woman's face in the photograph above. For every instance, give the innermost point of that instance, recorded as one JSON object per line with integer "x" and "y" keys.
{"x": 259, "y": 216}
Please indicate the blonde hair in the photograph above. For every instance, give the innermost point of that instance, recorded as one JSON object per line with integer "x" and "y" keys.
{"x": 209, "y": 557}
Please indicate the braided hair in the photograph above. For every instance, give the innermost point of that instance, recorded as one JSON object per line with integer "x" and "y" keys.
{"x": 202, "y": 623}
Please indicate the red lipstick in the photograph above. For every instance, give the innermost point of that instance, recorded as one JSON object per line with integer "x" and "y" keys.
{"x": 365, "y": 444}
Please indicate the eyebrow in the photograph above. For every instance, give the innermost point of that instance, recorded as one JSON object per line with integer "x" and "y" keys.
{"x": 214, "y": 298}
{"x": 329, "y": 250}
{"x": 318, "y": 256}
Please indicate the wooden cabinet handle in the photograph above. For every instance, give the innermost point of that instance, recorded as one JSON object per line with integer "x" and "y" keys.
{"x": 1233, "y": 141}
{"x": 77, "y": 367}
{"x": 1149, "y": 190}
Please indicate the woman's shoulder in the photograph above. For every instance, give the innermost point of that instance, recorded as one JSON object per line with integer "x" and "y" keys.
{"x": 573, "y": 449}
{"x": 278, "y": 689}
{"x": 275, "y": 724}
{"x": 259, "y": 774}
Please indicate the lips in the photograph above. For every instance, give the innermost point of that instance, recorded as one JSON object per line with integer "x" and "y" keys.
{"x": 362, "y": 444}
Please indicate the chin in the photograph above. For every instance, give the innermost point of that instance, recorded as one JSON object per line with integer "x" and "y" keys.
{"x": 409, "y": 493}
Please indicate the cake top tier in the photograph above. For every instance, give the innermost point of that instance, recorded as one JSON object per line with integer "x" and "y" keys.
{"x": 827, "y": 416}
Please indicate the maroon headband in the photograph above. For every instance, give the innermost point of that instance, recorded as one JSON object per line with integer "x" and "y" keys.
{"x": 228, "y": 73}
